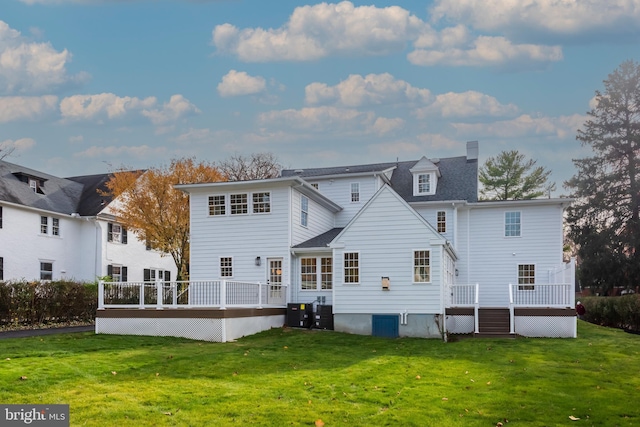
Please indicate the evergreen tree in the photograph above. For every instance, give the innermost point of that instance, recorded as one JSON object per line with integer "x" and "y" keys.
{"x": 509, "y": 176}
{"x": 604, "y": 221}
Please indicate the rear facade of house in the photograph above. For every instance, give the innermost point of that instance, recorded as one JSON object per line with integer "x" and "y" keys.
{"x": 392, "y": 249}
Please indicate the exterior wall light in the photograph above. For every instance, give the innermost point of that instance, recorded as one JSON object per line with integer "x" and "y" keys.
{"x": 258, "y": 261}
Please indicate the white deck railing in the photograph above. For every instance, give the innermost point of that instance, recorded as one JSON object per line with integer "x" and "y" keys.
{"x": 220, "y": 294}
{"x": 463, "y": 295}
{"x": 548, "y": 295}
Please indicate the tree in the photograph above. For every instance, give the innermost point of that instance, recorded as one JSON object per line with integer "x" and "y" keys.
{"x": 509, "y": 176}
{"x": 256, "y": 166}
{"x": 154, "y": 210}
{"x": 605, "y": 219}
{"x": 6, "y": 150}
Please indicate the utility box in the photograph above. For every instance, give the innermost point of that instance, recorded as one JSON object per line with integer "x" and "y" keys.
{"x": 324, "y": 317}
{"x": 299, "y": 315}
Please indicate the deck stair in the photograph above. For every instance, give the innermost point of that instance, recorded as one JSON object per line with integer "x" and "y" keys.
{"x": 494, "y": 323}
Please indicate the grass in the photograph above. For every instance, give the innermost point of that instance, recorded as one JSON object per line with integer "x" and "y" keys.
{"x": 298, "y": 377}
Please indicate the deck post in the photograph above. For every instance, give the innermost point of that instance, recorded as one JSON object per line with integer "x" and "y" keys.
{"x": 174, "y": 294}
{"x": 223, "y": 295}
{"x": 512, "y": 319}
{"x": 101, "y": 295}
{"x": 259, "y": 295}
{"x": 141, "y": 305}
{"x": 159, "y": 289}
{"x": 476, "y": 309}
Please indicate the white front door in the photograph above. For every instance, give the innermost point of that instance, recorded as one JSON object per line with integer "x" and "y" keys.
{"x": 274, "y": 274}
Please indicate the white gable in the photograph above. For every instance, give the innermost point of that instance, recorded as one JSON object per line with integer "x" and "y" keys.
{"x": 425, "y": 177}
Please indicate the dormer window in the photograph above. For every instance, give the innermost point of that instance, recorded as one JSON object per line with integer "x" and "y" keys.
{"x": 34, "y": 182}
{"x": 425, "y": 177}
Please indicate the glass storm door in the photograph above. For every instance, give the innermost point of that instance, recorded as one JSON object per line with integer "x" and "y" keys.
{"x": 275, "y": 272}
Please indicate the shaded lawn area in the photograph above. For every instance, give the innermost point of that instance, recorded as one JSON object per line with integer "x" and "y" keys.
{"x": 297, "y": 377}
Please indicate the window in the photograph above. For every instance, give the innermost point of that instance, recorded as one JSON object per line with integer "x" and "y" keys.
{"x": 150, "y": 275}
{"x": 421, "y": 267}
{"x": 118, "y": 273}
{"x": 442, "y": 222}
{"x": 239, "y": 204}
{"x": 355, "y": 192}
{"x": 304, "y": 211}
{"x": 226, "y": 267}
{"x": 512, "y": 224}
{"x": 311, "y": 278}
{"x": 55, "y": 226}
{"x": 424, "y": 183}
{"x": 46, "y": 270}
{"x": 1, "y": 268}
{"x": 526, "y": 277}
{"x": 0, "y": 216}
{"x": 351, "y": 267}
{"x": 44, "y": 225}
{"x": 116, "y": 233}
{"x": 308, "y": 273}
{"x": 33, "y": 184}
{"x": 217, "y": 205}
{"x": 261, "y": 202}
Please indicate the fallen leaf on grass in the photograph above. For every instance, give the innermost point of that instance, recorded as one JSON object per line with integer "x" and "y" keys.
{"x": 417, "y": 377}
{"x": 23, "y": 377}
{"x": 445, "y": 398}
{"x": 489, "y": 383}
{"x": 572, "y": 418}
{"x": 167, "y": 413}
{"x": 8, "y": 358}
{"x": 114, "y": 373}
{"x": 157, "y": 374}
{"x": 319, "y": 423}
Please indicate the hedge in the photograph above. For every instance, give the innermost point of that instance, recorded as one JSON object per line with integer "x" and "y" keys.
{"x": 617, "y": 312}
{"x": 33, "y": 303}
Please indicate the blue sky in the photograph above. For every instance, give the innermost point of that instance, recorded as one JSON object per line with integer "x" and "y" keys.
{"x": 89, "y": 85}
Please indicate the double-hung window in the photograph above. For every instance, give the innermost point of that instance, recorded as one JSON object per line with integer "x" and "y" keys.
{"x": 217, "y": 205}
{"x": 55, "y": 226}
{"x": 355, "y": 192}
{"x": 312, "y": 278}
{"x": 442, "y": 222}
{"x": 226, "y": 267}
{"x": 512, "y": 224}
{"x": 304, "y": 211}
{"x": 239, "y": 204}
{"x": 118, "y": 273}
{"x": 424, "y": 183}
{"x": 421, "y": 267}
{"x": 116, "y": 233}
{"x": 352, "y": 267}
{"x": 46, "y": 270}
{"x": 44, "y": 225}
{"x": 526, "y": 277}
{"x": 261, "y": 202}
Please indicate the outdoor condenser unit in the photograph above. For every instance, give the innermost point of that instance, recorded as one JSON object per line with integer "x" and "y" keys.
{"x": 299, "y": 315}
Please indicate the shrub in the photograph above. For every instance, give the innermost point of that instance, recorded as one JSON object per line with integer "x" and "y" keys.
{"x": 617, "y": 312}
{"x": 37, "y": 302}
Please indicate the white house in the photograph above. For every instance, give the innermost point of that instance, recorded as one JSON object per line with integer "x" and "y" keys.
{"x": 395, "y": 249}
{"x": 55, "y": 228}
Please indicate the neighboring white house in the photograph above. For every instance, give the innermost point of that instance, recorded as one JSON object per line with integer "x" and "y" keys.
{"x": 55, "y": 228}
{"x": 397, "y": 249}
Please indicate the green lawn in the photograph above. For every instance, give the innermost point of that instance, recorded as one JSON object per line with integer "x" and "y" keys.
{"x": 298, "y": 377}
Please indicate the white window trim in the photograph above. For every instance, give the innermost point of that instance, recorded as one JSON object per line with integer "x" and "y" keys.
{"x": 413, "y": 266}
{"x": 318, "y": 282}
{"x": 444, "y": 223}
{"x": 535, "y": 276}
{"x": 351, "y": 192}
{"x": 46, "y": 232}
{"x": 302, "y": 211}
{"x": 504, "y": 225}
{"x": 344, "y": 282}
{"x": 220, "y": 268}
{"x": 416, "y": 184}
{"x": 253, "y": 212}
{"x": 48, "y": 261}
{"x": 248, "y": 195}
{"x": 226, "y": 203}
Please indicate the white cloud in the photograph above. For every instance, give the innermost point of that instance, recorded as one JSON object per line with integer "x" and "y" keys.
{"x": 466, "y": 104}
{"x": 544, "y": 17}
{"x": 373, "y": 89}
{"x": 236, "y": 83}
{"x": 27, "y": 67}
{"x": 26, "y": 107}
{"x": 194, "y": 135}
{"x": 22, "y": 144}
{"x": 101, "y": 106}
{"x": 317, "y": 31}
{"x": 384, "y": 125}
{"x": 319, "y": 119}
{"x": 486, "y": 51}
{"x": 76, "y": 139}
{"x": 177, "y": 107}
{"x": 523, "y": 126}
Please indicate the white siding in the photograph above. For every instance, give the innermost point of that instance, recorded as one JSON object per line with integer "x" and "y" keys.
{"x": 494, "y": 259}
{"x": 339, "y": 191}
{"x": 319, "y": 220}
{"x": 243, "y": 237}
{"x": 385, "y": 234}
{"x": 306, "y": 296}
{"x": 430, "y": 214}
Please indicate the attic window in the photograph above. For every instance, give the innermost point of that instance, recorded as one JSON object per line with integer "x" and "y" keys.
{"x": 35, "y": 183}
{"x": 425, "y": 177}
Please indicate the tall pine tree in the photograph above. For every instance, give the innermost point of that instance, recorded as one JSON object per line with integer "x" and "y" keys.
{"x": 605, "y": 220}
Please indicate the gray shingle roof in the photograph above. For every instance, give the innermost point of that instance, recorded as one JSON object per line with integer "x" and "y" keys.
{"x": 458, "y": 181}
{"x": 321, "y": 240}
{"x": 91, "y": 202}
{"x": 60, "y": 195}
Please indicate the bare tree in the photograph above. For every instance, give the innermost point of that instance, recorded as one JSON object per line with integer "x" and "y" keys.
{"x": 246, "y": 168}
{"x": 6, "y": 150}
